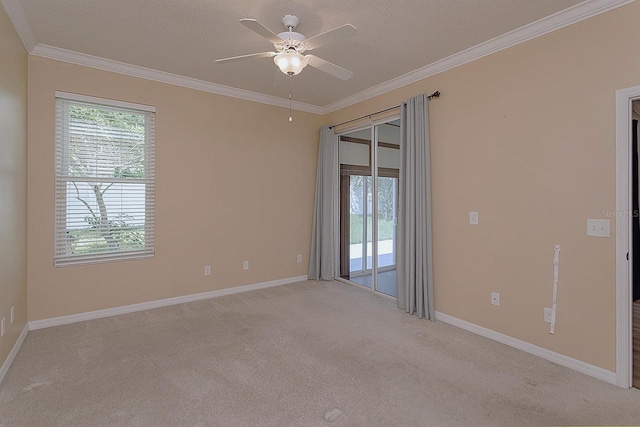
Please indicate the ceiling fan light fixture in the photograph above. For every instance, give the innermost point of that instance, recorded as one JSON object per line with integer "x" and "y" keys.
{"x": 291, "y": 62}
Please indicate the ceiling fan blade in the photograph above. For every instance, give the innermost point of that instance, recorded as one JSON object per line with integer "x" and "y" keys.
{"x": 331, "y": 36}
{"x": 251, "y": 55}
{"x": 329, "y": 68}
{"x": 261, "y": 30}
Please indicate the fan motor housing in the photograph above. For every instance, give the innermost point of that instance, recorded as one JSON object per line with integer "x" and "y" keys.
{"x": 293, "y": 39}
{"x": 290, "y": 21}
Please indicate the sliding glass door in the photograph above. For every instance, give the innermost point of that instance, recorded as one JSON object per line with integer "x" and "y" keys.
{"x": 360, "y": 257}
{"x": 369, "y": 168}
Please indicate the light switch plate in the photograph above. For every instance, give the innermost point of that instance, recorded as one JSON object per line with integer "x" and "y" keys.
{"x": 598, "y": 228}
{"x": 473, "y": 218}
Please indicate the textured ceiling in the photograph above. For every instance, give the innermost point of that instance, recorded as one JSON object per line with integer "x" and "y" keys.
{"x": 184, "y": 37}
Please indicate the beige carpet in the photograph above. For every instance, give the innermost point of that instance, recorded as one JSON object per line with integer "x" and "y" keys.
{"x": 308, "y": 354}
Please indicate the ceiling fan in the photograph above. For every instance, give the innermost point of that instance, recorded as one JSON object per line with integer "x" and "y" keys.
{"x": 290, "y": 46}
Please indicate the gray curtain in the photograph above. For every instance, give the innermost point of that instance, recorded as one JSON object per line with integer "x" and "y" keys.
{"x": 323, "y": 259}
{"x": 414, "y": 260}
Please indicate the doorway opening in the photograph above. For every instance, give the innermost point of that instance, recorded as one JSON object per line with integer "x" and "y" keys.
{"x": 626, "y": 218}
{"x": 369, "y": 178}
{"x": 635, "y": 246}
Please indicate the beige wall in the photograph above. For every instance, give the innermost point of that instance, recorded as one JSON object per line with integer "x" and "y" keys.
{"x": 526, "y": 137}
{"x": 235, "y": 181}
{"x": 13, "y": 183}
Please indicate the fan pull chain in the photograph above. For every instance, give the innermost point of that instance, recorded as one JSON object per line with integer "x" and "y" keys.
{"x": 290, "y": 117}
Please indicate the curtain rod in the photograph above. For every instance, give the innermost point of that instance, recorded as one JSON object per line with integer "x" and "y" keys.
{"x": 435, "y": 94}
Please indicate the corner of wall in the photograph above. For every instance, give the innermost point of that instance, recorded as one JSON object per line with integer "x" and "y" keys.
{"x": 13, "y": 192}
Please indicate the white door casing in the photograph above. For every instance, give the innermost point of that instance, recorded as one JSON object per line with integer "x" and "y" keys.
{"x": 624, "y": 216}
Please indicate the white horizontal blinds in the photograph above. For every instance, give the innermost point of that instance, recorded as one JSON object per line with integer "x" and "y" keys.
{"x": 105, "y": 182}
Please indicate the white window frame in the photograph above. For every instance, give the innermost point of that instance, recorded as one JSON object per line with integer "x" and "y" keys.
{"x": 62, "y": 254}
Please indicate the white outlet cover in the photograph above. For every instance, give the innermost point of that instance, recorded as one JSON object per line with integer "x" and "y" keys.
{"x": 495, "y": 298}
{"x": 207, "y": 270}
{"x": 299, "y": 258}
{"x": 547, "y": 314}
{"x": 245, "y": 265}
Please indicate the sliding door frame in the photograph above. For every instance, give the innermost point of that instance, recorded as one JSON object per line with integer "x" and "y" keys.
{"x": 375, "y": 172}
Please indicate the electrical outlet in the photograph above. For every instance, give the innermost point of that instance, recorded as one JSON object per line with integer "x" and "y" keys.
{"x": 547, "y": 314}
{"x": 13, "y": 314}
{"x": 245, "y": 265}
{"x": 299, "y": 258}
{"x": 495, "y": 298}
{"x": 207, "y": 270}
{"x": 2, "y": 327}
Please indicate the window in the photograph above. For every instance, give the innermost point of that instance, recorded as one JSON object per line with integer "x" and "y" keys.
{"x": 105, "y": 180}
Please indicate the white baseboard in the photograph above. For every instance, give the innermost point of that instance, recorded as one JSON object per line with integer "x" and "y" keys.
{"x": 14, "y": 351}
{"x": 560, "y": 359}
{"x": 90, "y": 315}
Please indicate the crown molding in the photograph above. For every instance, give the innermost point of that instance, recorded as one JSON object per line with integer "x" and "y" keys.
{"x": 564, "y": 18}
{"x": 18, "y": 18}
{"x": 72, "y": 57}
